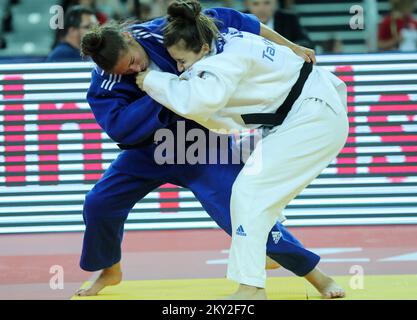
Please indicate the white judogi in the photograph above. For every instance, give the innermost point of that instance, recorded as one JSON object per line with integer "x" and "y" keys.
{"x": 253, "y": 75}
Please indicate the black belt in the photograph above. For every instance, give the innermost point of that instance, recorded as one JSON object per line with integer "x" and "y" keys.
{"x": 274, "y": 119}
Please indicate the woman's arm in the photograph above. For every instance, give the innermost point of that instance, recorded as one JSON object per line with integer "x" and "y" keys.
{"x": 197, "y": 98}
{"x": 231, "y": 18}
{"x": 307, "y": 54}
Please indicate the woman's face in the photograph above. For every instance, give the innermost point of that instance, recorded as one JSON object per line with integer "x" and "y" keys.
{"x": 186, "y": 58}
{"x": 132, "y": 60}
{"x": 263, "y": 9}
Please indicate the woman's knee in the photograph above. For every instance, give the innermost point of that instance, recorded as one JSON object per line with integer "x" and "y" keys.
{"x": 97, "y": 206}
{"x": 241, "y": 196}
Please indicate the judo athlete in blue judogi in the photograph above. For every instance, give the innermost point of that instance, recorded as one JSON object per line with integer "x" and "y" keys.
{"x": 131, "y": 118}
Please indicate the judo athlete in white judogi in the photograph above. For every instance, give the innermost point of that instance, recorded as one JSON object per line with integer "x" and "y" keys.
{"x": 246, "y": 82}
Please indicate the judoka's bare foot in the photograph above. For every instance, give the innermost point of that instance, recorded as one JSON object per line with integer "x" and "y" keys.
{"x": 324, "y": 284}
{"x": 245, "y": 292}
{"x": 271, "y": 264}
{"x": 108, "y": 277}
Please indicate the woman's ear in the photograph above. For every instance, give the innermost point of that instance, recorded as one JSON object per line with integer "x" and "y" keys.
{"x": 205, "y": 48}
{"x": 127, "y": 36}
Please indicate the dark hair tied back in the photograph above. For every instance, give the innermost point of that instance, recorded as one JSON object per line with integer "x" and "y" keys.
{"x": 186, "y": 10}
{"x": 188, "y": 26}
{"x": 105, "y": 44}
{"x": 92, "y": 43}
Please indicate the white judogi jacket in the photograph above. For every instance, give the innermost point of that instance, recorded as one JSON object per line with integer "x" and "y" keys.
{"x": 250, "y": 75}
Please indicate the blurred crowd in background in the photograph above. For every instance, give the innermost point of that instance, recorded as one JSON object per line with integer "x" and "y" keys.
{"x": 25, "y": 24}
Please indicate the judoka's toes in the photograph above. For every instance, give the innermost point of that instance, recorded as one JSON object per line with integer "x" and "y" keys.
{"x": 82, "y": 293}
{"x": 247, "y": 293}
{"x": 95, "y": 288}
{"x": 108, "y": 277}
{"x": 332, "y": 291}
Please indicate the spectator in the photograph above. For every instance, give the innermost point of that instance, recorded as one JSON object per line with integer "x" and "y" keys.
{"x": 144, "y": 10}
{"x": 111, "y": 9}
{"x": 282, "y": 21}
{"x": 141, "y": 10}
{"x": 228, "y": 3}
{"x": 7, "y": 17}
{"x": 286, "y": 4}
{"x": 91, "y": 4}
{"x": 398, "y": 30}
{"x": 332, "y": 45}
{"x": 78, "y": 20}
{"x": 2, "y": 42}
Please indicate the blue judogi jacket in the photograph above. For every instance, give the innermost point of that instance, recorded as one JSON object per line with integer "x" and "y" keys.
{"x": 127, "y": 114}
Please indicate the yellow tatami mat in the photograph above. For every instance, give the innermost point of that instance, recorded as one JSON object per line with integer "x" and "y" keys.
{"x": 279, "y": 288}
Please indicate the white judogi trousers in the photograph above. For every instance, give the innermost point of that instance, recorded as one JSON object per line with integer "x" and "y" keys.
{"x": 291, "y": 157}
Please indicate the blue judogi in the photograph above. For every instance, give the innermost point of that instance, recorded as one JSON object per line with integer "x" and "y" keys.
{"x": 130, "y": 117}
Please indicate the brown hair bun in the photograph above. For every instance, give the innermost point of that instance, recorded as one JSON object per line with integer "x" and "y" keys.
{"x": 92, "y": 42}
{"x": 186, "y": 10}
